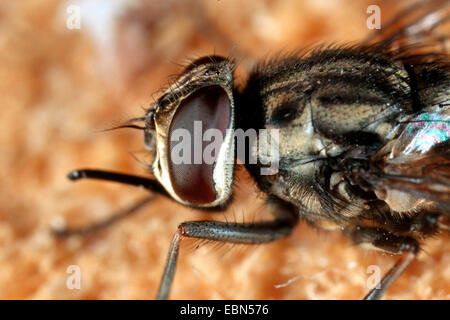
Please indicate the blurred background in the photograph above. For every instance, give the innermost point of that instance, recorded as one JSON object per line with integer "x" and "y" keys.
{"x": 62, "y": 83}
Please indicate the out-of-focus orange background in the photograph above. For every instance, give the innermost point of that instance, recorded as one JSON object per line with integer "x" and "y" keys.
{"x": 60, "y": 87}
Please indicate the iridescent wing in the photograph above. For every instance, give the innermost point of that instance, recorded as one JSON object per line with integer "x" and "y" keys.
{"x": 418, "y": 163}
{"x": 414, "y": 167}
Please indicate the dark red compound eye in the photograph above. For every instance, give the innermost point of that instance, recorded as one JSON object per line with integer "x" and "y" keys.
{"x": 211, "y": 105}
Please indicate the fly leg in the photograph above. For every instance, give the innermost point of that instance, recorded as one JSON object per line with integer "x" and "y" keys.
{"x": 420, "y": 226}
{"x": 407, "y": 257}
{"x": 89, "y": 229}
{"x": 245, "y": 233}
{"x": 146, "y": 183}
{"x": 407, "y": 247}
{"x": 430, "y": 223}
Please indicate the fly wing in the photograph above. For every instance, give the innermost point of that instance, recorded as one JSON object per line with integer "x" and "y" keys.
{"x": 423, "y": 26}
{"x": 426, "y": 177}
{"x": 414, "y": 167}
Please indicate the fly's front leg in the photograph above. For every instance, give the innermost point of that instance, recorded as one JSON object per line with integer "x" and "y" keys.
{"x": 89, "y": 229}
{"x": 142, "y": 182}
{"x": 245, "y": 233}
{"x": 137, "y": 181}
{"x": 407, "y": 247}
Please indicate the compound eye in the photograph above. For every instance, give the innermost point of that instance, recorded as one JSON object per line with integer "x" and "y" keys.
{"x": 206, "y": 108}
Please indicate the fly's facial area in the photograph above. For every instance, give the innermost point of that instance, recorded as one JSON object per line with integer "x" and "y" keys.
{"x": 191, "y": 126}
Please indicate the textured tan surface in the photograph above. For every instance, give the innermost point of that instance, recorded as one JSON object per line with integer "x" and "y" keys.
{"x": 59, "y": 88}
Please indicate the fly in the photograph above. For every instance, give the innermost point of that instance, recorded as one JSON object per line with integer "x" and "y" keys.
{"x": 362, "y": 142}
